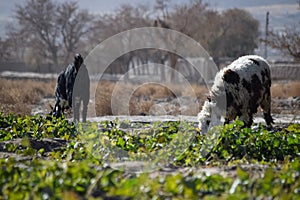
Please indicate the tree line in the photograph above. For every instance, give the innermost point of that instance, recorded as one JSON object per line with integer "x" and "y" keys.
{"x": 48, "y": 32}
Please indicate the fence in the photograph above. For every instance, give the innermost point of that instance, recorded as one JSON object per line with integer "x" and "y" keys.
{"x": 279, "y": 72}
{"x": 285, "y": 71}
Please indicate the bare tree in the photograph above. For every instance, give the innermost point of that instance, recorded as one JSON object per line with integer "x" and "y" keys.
{"x": 239, "y": 33}
{"x": 287, "y": 41}
{"x": 125, "y": 17}
{"x": 162, "y": 6}
{"x": 231, "y": 33}
{"x": 173, "y": 45}
{"x": 51, "y": 29}
{"x": 37, "y": 20}
{"x": 190, "y": 18}
{"x": 4, "y": 51}
{"x": 58, "y": 29}
{"x": 15, "y": 43}
{"x": 74, "y": 25}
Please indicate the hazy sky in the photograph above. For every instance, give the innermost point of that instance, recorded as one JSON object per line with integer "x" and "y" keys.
{"x": 100, "y": 6}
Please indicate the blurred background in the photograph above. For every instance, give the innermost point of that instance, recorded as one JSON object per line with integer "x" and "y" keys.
{"x": 44, "y": 35}
{"x": 38, "y": 39}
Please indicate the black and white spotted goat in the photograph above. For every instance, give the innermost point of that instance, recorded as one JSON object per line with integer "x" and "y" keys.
{"x": 238, "y": 90}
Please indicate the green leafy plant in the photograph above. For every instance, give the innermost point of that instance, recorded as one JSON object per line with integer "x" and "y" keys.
{"x": 49, "y": 158}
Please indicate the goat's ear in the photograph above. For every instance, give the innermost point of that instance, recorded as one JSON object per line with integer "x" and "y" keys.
{"x": 254, "y": 61}
{"x": 51, "y": 107}
{"x": 208, "y": 98}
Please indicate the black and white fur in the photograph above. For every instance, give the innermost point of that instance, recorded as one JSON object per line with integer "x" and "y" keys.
{"x": 238, "y": 90}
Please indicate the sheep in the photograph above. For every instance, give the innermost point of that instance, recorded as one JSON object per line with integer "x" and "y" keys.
{"x": 237, "y": 91}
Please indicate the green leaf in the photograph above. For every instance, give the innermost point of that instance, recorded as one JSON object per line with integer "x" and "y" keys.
{"x": 243, "y": 175}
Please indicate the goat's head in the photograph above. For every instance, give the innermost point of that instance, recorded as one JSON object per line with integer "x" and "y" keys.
{"x": 204, "y": 117}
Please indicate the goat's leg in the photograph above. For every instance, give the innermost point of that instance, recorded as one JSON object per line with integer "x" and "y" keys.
{"x": 266, "y": 106}
{"x": 58, "y": 111}
{"x": 247, "y": 118}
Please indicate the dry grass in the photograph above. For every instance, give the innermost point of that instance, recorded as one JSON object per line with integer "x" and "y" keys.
{"x": 144, "y": 96}
{"x": 19, "y": 96}
{"x": 285, "y": 90}
{"x": 103, "y": 98}
{"x": 138, "y": 100}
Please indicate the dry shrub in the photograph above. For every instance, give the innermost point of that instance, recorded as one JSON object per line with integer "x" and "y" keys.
{"x": 155, "y": 91}
{"x": 103, "y": 98}
{"x": 137, "y": 99}
{"x": 141, "y": 107}
{"x": 17, "y": 108}
{"x": 143, "y": 97}
{"x": 140, "y": 99}
{"x": 200, "y": 91}
{"x": 120, "y": 103}
{"x": 18, "y": 96}
{"x": 285, "y": 89}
